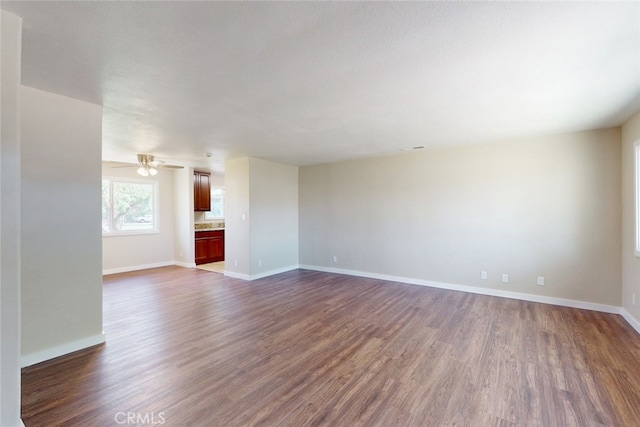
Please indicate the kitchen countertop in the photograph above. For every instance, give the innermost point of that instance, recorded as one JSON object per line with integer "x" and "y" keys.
{"x": 208, "y": 226}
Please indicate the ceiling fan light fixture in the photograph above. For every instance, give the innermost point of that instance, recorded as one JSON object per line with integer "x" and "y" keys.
{"x": 153, "y": 171}
{"x": 143, "y": 171}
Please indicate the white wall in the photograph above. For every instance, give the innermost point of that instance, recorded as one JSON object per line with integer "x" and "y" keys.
{"x": 540, "y": 207}
{"x": 237, "y": 239}
{"x": 217, "y": 180}
{"x": 61, "y": 235}
{"x": 10, "y": 65}
{"x": 134, "y": 252}
{"x": 261, "y": 218}
{"x": 183, "y": 250}
{"x": 630, "y": 263}
{"x": 274, "y": 216}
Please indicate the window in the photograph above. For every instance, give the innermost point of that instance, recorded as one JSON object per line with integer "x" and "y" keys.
{"x": 217, "y": 204}
{"x": 636, "y": 148}
{"x": 129, "y": 206}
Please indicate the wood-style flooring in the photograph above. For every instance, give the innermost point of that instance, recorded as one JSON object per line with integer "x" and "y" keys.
{"x": 186, "y": 347}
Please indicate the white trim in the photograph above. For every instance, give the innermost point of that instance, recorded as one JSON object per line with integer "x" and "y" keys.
{"x": 137, "y": 267}
{"x": 21, "y": 423}
{"x": 273, "y": 272}
{"x": 635, "y": 324}
{"x": 210, "y": 217}
{"x": 585, "y": 305}
{"x": 155, "y": 183}
{"x": 264, "y": 274}
{"x": 185, "y": 264}
{"x": 131, "y": 233}
{"x": 237, "y": 275}
{"x": 61, "y": 350}
{"x": 474, "y": 290}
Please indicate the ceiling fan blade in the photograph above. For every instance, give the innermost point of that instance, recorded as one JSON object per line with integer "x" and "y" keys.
{"x": 148, "y": 161}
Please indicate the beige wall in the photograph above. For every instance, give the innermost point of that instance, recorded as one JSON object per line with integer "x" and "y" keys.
{"x": 630, "y": 263}
{"x": 61, "y": 239}
{"x": 122, "y": 253}
{"x": 10, "y": 66}
{"x": 540, "y": 207}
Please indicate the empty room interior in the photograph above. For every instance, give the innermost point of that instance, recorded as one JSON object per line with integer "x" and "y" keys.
{"x": 320, "y": 213}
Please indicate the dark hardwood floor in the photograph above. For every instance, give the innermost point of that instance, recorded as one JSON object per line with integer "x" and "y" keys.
{"x": 186, "y": 347}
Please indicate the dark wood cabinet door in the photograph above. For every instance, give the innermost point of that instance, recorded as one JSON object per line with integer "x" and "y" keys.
{"x": 216, "y": 248}
{"x": 209, "y": 246}
{"x": 205, "y": 192}
{"x": 201, "y": 191}
{"x": 202, "y": 251}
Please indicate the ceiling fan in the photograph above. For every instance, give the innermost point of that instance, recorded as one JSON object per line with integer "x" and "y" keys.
{"x": 147, "y": 165}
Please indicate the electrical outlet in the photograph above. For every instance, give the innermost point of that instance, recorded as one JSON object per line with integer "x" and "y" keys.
{"x": 483, "y": 275}
{"x": 505, "y": 278}
{"x": 259, "y": 263}
{"x": 633, "y": 299}
{"x": 540, "y": 281}
{"x": 235, "y": 262}
{"x": 335, "y": 258}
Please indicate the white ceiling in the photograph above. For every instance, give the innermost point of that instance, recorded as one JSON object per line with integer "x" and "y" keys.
{"x": 303, "y": 83}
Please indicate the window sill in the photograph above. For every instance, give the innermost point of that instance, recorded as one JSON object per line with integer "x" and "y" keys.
{"x": 131, "y": 233}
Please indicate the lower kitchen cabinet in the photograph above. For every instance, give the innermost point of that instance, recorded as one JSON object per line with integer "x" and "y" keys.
{"x": 209, "y": 246}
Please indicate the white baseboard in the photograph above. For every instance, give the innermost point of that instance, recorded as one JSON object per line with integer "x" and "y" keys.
{"x": 441, "y": 285}
{"x": 273, "y": 272}
{"x": 473, "y": 289}
{"x": 193, "y": 265}
{"x": 237, "y": 275}
{"x": 185, "y": 264}
{"x": 137, "y": 267}
{"x": 61, "y": 350}
{"x": 635, "y": 324}
{"x": 250, "y": 277}
{"x": 21, "y": 423}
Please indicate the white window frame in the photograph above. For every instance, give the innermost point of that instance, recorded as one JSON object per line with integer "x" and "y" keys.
{"x": 209, "y": 215}
{"x": 156, "y": 204}
{"x": 636, "y": 157}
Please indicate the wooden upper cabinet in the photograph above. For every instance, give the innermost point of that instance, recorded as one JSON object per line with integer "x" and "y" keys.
{"x": 201, "y": 191}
